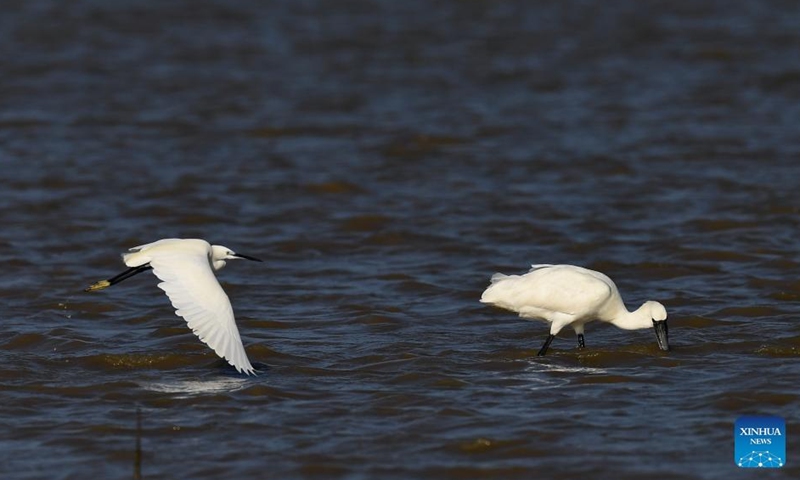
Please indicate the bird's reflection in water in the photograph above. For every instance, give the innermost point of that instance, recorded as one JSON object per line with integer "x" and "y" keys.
{"x": 198, "y": 387}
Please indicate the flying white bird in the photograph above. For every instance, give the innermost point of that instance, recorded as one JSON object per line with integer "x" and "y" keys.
{"x": 566, "y": 295}
{"x": 186, "y": 269}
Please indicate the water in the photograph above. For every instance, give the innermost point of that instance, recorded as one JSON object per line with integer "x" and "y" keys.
{"x": 385, "y": 158}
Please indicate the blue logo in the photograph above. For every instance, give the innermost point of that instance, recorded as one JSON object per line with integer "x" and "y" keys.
{"x": 760, "y": 442}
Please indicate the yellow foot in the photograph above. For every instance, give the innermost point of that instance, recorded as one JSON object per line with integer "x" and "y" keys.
{"x": 98, "y": 286}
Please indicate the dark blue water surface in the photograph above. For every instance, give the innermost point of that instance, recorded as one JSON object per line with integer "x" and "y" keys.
{"x": 385, "y": 158}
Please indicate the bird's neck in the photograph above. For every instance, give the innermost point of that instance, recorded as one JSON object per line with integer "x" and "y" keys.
{"x": 218, "y": 264}
{"x": 635, "y": 320}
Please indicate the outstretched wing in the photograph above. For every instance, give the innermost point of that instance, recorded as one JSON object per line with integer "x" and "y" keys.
{"x": 197, "y": 296}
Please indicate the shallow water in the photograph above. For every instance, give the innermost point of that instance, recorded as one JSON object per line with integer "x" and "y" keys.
{"x": 384, "y": 159}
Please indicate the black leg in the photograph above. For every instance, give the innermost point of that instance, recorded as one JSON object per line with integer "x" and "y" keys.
{"x": 114, "y": 280}
{"x": 129, "y": 273}
{"x": 544, "y": 348}
{"x": 581, "y": 343}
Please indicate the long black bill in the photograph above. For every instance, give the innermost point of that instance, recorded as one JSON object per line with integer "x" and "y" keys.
{"x": 247, "y": 257}
{"x": 661, "y": 334}
{"x": 114, "y": 280}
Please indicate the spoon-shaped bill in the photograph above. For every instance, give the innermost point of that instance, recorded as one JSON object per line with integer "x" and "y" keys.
{"x": 661, "y": 334}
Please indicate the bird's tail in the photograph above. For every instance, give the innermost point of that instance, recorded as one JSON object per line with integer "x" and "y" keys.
{"x": 135, "y": 256}
{"x": 498, "y": 277}
{"x": 489, "y": 294}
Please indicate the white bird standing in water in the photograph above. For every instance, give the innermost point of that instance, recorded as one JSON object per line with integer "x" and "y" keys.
{"x": 186, "y": 269}
{"x": 566, "y": 295}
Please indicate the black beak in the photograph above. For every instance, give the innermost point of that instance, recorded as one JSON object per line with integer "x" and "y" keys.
{"x": 247, "y": 257}
{"x": 661, "y": 334}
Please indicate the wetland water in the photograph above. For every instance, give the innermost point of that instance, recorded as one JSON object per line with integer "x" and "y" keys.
{"x": 384, "y": 159}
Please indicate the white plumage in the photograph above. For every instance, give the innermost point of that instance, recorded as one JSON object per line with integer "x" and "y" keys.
{"x": 186, "y": 270}
{"x": 568, "y": 295}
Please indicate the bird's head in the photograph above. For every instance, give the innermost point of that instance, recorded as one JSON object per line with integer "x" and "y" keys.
{"x": 219, "y": 255}
{"x": 658, "y": 315}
